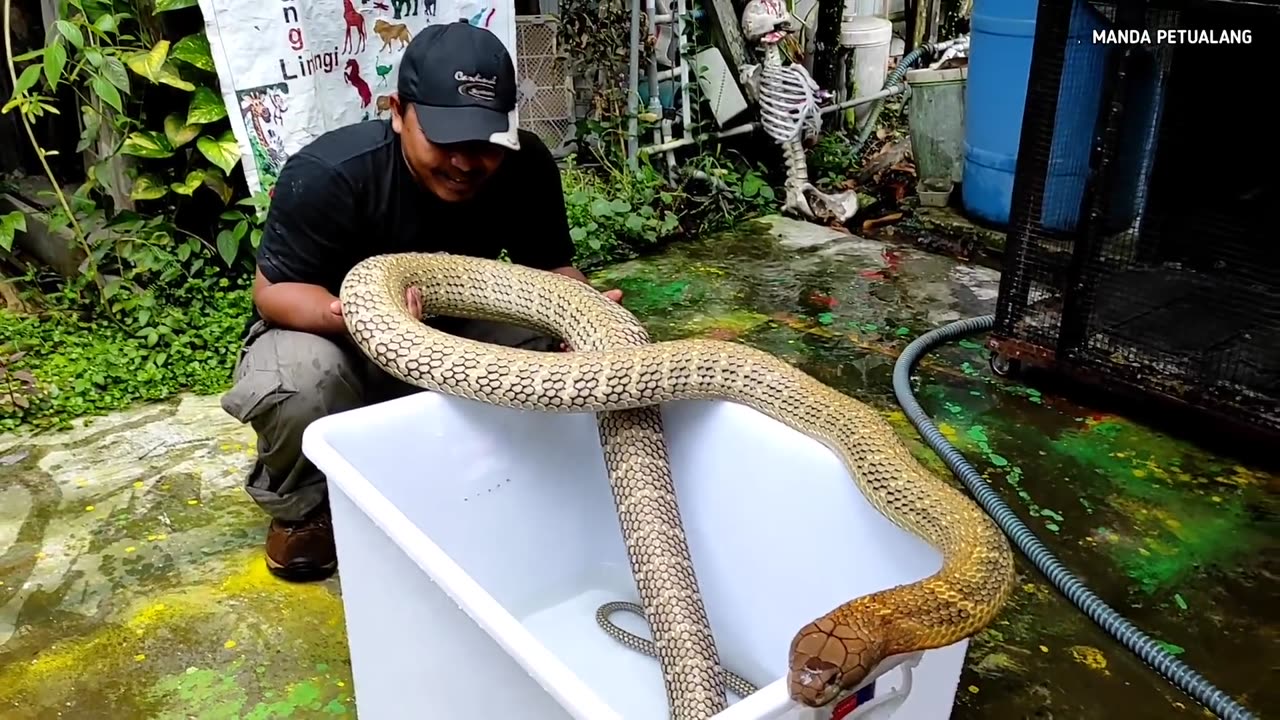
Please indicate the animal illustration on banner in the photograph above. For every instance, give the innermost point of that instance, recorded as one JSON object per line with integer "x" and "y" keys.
{"x": 355, "y": 21}
{"x": 335, "y": 62}
{"x": 482, "y": 17}
{"x": 391, "y": 32}
{"x": 401, "y": 8}
{"x": 383, "y": 71}
{"x": 262, "y": 110}
{"x": 353, "y": 78}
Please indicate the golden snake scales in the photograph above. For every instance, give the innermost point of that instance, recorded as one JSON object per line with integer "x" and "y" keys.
{"x": 616, "y": 371}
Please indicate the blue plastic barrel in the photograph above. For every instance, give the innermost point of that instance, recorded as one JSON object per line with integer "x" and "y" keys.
{"x": 1002, "y": 33}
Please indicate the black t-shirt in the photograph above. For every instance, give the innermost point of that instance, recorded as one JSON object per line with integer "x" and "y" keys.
{"x": 349, "y": 195}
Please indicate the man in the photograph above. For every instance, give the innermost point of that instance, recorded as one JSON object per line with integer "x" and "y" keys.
{"x": 447, "y": 173}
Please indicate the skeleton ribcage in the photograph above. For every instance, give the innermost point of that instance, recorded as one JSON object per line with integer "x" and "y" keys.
{"x": 788, "y": 99}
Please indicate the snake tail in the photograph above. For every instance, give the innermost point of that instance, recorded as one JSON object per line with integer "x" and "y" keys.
{"x": 737, "y": 684}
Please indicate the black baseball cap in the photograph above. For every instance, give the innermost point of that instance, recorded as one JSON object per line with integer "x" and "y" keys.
{"x": 462, "y": 82}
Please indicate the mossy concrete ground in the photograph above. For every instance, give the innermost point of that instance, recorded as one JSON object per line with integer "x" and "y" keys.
{"x": 133, "y": 584}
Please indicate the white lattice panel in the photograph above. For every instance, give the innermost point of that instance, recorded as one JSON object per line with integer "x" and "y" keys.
{"x": 546, "y": 98}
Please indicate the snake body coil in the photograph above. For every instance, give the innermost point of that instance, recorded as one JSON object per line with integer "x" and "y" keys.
{"x": 616, "y": 371}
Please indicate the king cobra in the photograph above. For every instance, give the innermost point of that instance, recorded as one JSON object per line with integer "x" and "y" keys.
{"x": 615, "y": 370}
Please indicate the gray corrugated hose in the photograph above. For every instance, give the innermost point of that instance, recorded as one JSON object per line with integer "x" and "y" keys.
{"x": 1175, "y": 671}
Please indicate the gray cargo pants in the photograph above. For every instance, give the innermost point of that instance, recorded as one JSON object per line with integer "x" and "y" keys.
{"x": 285, "y": 380}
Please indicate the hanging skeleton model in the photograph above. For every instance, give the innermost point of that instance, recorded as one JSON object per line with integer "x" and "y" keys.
{"x": 788, "y": 99}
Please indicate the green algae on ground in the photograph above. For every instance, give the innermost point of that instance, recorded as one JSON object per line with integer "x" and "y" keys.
{"x": 726, "y": 326}
{"x": 220, "y": 695}
{"x": 1187, "y": 510}
{"x": 179, "y": 653}
{"x": 646, "y": 297}
{"x": 1167, "y": 532}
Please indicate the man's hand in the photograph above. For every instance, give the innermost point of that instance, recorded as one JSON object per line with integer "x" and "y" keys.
{"x": 573, "y": 272}
{"x": 412, "y": 298}
{"x": 614, "y": 295}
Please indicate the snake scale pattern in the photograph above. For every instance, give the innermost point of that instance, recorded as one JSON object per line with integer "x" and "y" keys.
{"x": 616, "y": 371}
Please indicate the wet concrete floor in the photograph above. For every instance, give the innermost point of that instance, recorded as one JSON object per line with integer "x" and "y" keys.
{"x": 132, "y": 584}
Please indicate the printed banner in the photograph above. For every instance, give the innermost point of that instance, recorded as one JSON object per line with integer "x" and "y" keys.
{"x": 299, "y": 68}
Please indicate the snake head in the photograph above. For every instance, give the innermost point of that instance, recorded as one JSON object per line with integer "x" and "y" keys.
{"x": 829, "y": 658}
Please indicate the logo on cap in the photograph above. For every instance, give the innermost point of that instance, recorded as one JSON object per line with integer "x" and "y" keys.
{"x": 477, "y": 86}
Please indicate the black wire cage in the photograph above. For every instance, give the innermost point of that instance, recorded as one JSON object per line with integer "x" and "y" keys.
{"x": 1165, "y": 283}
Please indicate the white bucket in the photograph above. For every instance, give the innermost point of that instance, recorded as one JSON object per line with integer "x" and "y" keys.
{"x": 476, "y": 543}
{"x": 868, "y": 38}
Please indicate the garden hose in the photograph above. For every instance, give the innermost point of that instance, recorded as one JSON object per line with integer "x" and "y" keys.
{"x": 1149, "y": 651}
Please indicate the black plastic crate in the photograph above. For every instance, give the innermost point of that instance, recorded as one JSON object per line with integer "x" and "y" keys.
{"x": 1169, "y": 285}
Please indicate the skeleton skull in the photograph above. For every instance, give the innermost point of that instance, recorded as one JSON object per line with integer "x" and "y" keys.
{"x": 766, "y": 21}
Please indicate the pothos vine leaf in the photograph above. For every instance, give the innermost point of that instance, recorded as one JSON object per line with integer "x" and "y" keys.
{"x": 171, "y": 5}
{"x": 194, "y": 50}
{"x": 147, "y": 144}
{"x": 178, "y": 133}
{"x": 206, "y": 107}
{"x": 154, "y": 65}
{"x": 148, "y": 63}
{"x": 10, "y": 225}
{"x": 223, "y": 152}
{"x": 194, "y": 179}
{"x": 148, "y": 187}
{"x": 228, "y": 246}
{"x": 215, "y": 181}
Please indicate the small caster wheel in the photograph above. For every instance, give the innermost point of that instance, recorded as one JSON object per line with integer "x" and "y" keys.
{"x": 1003, "y": 365}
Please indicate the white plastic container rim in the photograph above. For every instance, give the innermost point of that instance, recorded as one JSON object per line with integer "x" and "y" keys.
{"x": 868, "y": 8}
{"x": 865, "y": 31}
{"x": 927, "y": 76}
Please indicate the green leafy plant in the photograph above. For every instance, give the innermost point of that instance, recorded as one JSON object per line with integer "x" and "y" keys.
{"x": 595, "y": 37}
{"x": 69, "y": 366}
{"x": 615, "y": 213}
{"x": 161, "y": 295}
{"x": 121, "y": 74}
{"x": 10, "y": 225}
{"x": 615, "y": 216}
{"x": 833, "y": 159}
{"x": 16, "y": 386}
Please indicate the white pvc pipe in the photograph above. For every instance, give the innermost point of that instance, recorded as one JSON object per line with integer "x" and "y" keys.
{"x": 753, "y": 126}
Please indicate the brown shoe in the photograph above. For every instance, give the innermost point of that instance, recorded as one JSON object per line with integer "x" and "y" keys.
{"x": 302, "y": 551}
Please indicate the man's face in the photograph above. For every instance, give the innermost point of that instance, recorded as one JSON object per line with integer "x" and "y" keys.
{"x": 451, "y": 172}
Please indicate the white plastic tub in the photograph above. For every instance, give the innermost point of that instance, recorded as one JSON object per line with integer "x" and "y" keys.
{"x": 475, "y": 544}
